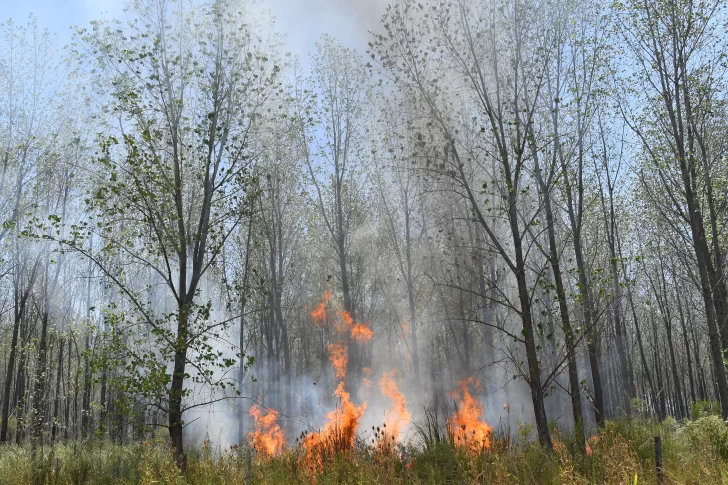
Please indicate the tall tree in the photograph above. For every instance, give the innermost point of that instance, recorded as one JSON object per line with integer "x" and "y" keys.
{"x": 674, "y": 44}
{"x": 186, "y": 84}
{"x": 493, "y": 53}
{"x": 333, "y": 130}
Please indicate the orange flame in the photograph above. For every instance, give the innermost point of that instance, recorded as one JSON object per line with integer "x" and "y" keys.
{"x": 361, "y": 332}
{"x": 398, "y": 415}
{"x": 338, "y": 433}
{"x": 338, "y": 358}
{"x": 319, "y": 313}
{"x": 346, "y": 321}
{"x": 465, "y": 426}
{"x": 268, "y": 437}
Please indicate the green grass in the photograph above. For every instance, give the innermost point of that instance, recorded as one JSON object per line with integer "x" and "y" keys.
{"x": 695, "y": 452}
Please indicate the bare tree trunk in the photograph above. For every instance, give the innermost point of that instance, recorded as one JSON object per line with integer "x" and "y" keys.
{"x": 409, "y": 277}
{"x": 20, "y": 390}
{"x": 86, "y": 400}
{"x": 21, "y": 298}
{"x": 242, "y": 344}
{"x": 569, "y": 336}
{"x": 57, "y": 397}
{"x": 67, "y": 392}
{"x": 41, "y": 373}
{"x": 661, "y": 391}
{"x": 487, "y": 299}
{"x": 626, "y": 387}
{"x": 104, "y": 404}
{"x": 686, "y": 344}
{"x": 176, "y": 389}
{"x": 586, "y": 299}
{"x": 76, "y": 388}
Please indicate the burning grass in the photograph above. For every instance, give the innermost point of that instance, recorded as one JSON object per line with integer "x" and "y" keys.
{"x": 692, "y": 455}
{"x": 465, "y": 427}
{"x": 337, "y": 436}
{"x": 464, "y": 449}
{"x": 397, "y": 416}
{"x": 268, "y": 438}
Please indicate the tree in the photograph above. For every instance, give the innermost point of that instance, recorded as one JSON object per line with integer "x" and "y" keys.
{"x": 186, "y": 86}
{"x": 675, "y": 48}
{"x": 34, "y": 131}
{"x": 332, "y": 124}
{"x": 400, "y": 214}
{"x": 493, "y": 55}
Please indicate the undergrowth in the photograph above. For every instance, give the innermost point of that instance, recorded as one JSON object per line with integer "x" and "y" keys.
{"x": 694, "y": 452}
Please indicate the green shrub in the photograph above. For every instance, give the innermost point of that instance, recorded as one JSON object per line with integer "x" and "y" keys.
{"x": 700, "y": 409}
{"x": 708, "y": 433}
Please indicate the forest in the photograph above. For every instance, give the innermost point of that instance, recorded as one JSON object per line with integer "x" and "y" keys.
{"x": 487, "y": 246}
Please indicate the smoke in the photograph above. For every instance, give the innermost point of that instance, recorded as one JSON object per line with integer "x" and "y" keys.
{"x": 304, "y": 21}
{"x": 506, "y": 401}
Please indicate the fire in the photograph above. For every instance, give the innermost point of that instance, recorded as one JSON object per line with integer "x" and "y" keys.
{"x": 398, "y": 415}
{"x": 361, "y": 332}
{"x": 338, "y": 433}
{"x": 345, "y": 324}
{"x": 268, "y": 437}
{"x": 465, "y": 425}
{"x": 338, "y": 357}
{"x": 319, "y": 313}
{"x": 346, "y": 321}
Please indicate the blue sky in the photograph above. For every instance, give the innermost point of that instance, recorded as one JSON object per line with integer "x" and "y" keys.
{"x": 303, "y": 21}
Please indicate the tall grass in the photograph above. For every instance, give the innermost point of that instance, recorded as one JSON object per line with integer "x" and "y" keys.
{"x": 695, "y": 452}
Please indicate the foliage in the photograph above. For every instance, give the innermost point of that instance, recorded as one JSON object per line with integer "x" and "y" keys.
{"x": 696, "y": 452}
{"x": 710, "y": 434}
{"x": 700, "y": 409}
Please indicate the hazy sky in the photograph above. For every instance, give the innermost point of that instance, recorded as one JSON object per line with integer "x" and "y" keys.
{"x": 303, "y": 21}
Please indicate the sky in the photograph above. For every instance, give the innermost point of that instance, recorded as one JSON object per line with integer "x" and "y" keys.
{"x": 303, "y": 21}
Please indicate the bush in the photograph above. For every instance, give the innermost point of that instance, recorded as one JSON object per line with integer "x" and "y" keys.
{"x": 708, "y": 433}
{"x": 700, "y": 409}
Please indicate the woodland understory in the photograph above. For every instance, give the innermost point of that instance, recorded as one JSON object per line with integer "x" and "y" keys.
{"x": 489, "y": 246}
